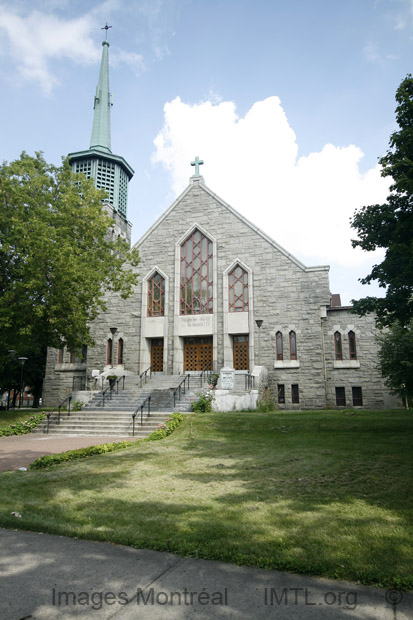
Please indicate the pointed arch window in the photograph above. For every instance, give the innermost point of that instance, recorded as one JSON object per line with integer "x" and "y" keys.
{"x": 156, "y": 295}
{"x": 196, "y": 275}
{"x": 279, "y": 345}
{"x": 120, "y": 351}
{"x": 352, "y": 345}
{"x": 109, "y": 352}
{"x": 293, "y": 346}
{"x": 338, "y": 346}
{"x": 238, "y": 290}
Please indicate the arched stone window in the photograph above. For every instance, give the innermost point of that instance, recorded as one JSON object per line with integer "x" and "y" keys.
{"x": 279, "y": 345}
{"x": 238, "y": 290}
{"x": 337, "y": 346}
{"x": 156, "y": 295}
{"x": 352, "y": 345}
{"x": 109, "y": 352}
{"x": 293, "y": 346}
{"x": 196, "y": 275}
{"x": 120, "y": 351}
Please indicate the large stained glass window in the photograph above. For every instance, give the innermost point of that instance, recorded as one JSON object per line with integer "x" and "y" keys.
{"x": 238, "y": 290}
{"x": 196, "y": 275}
{"x": 156, "y": 295}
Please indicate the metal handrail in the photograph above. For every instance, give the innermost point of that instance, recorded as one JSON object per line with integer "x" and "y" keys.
{"x": 141, "y": 407}
{"x": 111, "y": 388}
{"x": 178, "y": 388}
{"x": 207, "y": 372}
{"x": 249, "y": 381}
{"x": 59, "y": 406}
{"x": 144, "y": 374}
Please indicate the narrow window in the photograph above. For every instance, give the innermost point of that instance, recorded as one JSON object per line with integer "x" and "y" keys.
{"x": 238, "y": 290}
{"x": 279, "y": 345}
{"x": 293, "y": 346}
{"x": 156, "y": 295}
{"x": 352, "y": 345}
{"x": 338, "y": 346}
{"x": 109, "y": 352}
{"x": 196, "y": 275}
{"x": 295, "y": 397}
{"x": 120, "y": 351}
{"x": 281, "y": 393}
{"x": 60, "y": 356}
{"x": 84, "y": 353}
{"x": 340, "y": 396}
{"x": 357, "y": 397}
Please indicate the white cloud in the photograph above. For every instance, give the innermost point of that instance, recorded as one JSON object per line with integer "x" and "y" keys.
{"x": 303, "y": 203}
{"x": 37, "y": 38}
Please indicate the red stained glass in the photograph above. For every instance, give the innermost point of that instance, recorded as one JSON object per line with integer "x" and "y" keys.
{"x": 156, "y": 295}
{"x": 238, "y": 290}
{"x": 196, "y": 275}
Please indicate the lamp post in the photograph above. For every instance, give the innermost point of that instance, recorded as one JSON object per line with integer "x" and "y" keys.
{"x": 259, "y": 322}
{"x": 113, "y": 331}
{"x": 11, "y": 353}
{"x": 22, "y": 360}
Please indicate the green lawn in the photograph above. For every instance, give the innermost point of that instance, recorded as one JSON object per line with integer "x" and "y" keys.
{"x": 17, "y": 415}
{"x": 322, "y": 493}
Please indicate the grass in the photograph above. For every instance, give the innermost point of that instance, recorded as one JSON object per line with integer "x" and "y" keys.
{"x": 16, "y": 415}
{"x": 320, "y": 493}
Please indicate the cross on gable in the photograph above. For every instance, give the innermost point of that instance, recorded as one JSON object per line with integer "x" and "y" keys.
{"x": 198, "y": 162}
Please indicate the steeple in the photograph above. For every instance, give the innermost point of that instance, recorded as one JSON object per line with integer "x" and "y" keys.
{"x": 101, "y": 120}
{"x": 109, "y": 171}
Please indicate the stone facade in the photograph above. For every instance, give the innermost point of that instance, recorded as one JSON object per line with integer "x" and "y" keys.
{"x": 285, "y": 294}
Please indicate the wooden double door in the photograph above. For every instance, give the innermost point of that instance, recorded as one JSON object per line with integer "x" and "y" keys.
{"x": 157, "y": 354}
{"x": 198, "y": 353}
{"x": 241, "y": 352}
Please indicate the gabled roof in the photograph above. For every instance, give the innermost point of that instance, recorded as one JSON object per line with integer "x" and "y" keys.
{"x": 201, "y": 184}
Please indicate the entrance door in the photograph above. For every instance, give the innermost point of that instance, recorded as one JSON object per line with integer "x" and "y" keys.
{"x": 241, "y": 353}
{"x": 198, "y": 353}
{"x": 157, "y": 355}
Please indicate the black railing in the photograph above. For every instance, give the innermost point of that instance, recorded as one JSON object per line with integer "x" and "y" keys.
{"x": 205, "y": 374}
{"x": 144, "y": 375}
{"x": 181, "y": 387}
{"x": 107, "y": 393}
{"x": 249, "y": 381}
{"x": 58, "y": 408}
{"x": 141, "y": 407}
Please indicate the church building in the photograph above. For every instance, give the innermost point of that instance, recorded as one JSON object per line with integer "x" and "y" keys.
{"x": 216, "y": 291}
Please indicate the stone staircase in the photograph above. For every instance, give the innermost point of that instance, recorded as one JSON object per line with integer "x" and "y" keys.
{"x": 114, "y": 418}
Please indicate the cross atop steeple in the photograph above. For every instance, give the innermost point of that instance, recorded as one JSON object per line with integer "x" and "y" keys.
{"x": 198, "y": 162}
{"x": 106, "y": 28}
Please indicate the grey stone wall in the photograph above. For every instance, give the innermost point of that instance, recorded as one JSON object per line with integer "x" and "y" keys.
{"x": 286, "y": 296}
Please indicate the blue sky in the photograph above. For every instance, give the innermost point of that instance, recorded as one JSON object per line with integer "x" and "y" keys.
{"x": 290, "y": 105}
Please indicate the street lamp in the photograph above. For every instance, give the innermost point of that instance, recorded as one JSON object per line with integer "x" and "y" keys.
{"x": 259, "y": 322}
{"x": 113, "y": 331}
{"x": 21, "y": 360}
{"x": 11, "y": 353}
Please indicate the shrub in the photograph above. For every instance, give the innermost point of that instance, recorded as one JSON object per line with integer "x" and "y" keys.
{"x": 167, "y": 427}
{"x": 21, "y": 428}
{"x": 204, "y": 402}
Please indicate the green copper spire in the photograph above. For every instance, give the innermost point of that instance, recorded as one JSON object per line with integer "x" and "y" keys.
{"x": 101, "y": 121}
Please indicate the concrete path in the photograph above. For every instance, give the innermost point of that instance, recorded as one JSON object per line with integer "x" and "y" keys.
{"x": 46, "y": 577}
{"x": 21, "y": 450}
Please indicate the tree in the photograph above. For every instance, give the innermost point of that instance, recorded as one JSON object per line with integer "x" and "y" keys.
{"x": 396, "y": 360}
{"x": 57, "y": 259}
{"x": 390, "y": 225}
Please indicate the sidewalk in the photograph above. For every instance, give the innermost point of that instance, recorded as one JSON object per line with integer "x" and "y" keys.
{"x": 21, "y": 450}
{"x": 52, "y": 577}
